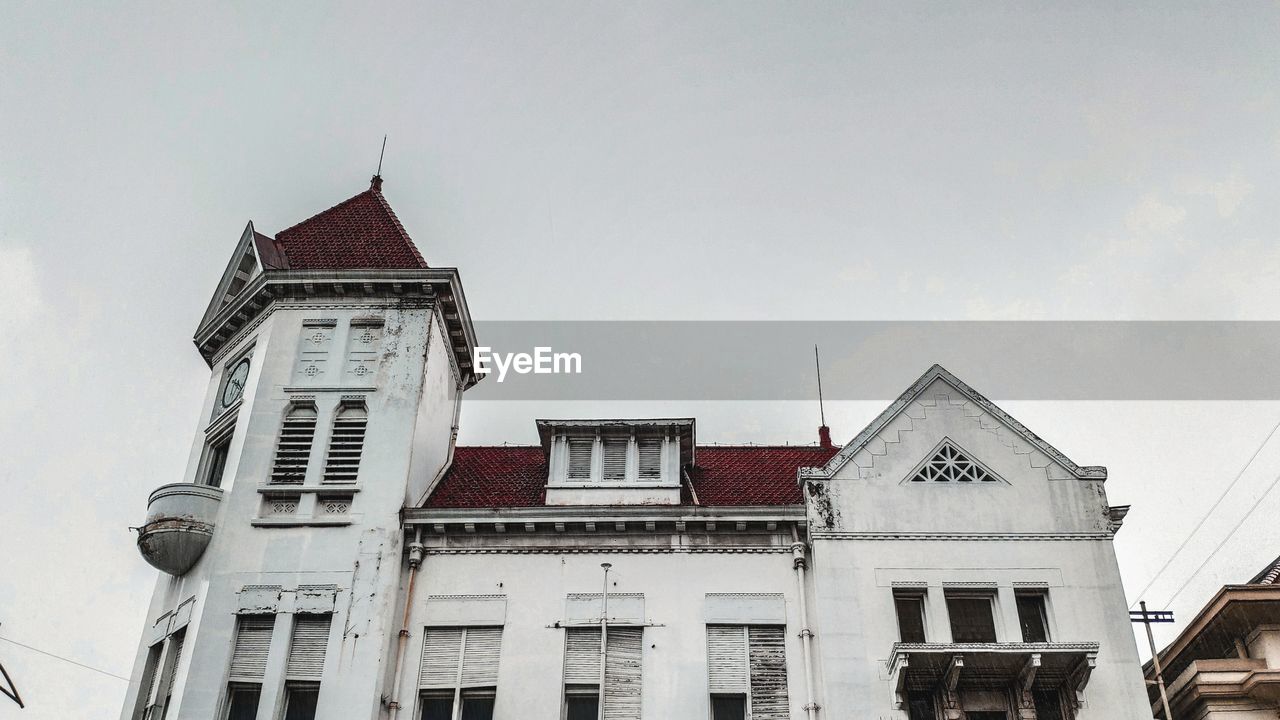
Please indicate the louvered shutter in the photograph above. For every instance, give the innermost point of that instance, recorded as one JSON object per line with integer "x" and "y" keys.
{"x": 294, "y": 450}
{"x": 306, "y": 650}
{"x": 170, "y": 672}
{"x": 650, "y": 450}
{"x": 622, "y": 674}
{"x": 480, "y": 657}
{"x": 441, "y": 651}
{"x": 582, "y": 656}
{"x": 615, "y": 459}
{"x": 253, "y": 640}
{"x": 768, "y": 658}
{"x": 580, "y": 458}
{"x": 345, "y": 446}
{"x": 727, "y": 658}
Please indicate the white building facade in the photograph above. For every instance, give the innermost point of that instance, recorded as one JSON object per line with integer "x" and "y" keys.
{"x": 331, "y": 554}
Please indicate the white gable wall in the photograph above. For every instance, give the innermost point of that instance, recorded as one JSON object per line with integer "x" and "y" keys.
{"x": 1037, "y": 526}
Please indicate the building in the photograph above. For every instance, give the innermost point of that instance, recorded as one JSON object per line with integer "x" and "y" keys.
{"x": 332, "y": 554}
{"x": 1226, "y": 663}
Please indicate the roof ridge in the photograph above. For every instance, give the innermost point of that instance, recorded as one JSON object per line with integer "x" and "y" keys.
{"x": 395, "y": 219}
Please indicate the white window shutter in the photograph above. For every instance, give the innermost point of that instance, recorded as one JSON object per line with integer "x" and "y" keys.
{"x": 622, "y": 673}
{"x": 768, "y": 656}
{"x": 441, "y": 651}
{"x": 582, "y": 656}
{"x": 650, "y": 458}
{"x": 307, "y": 649}
{"x": 253, "y": 640}
{"x": 483, "y": 647}
{"x": 727, "y": 658}
{"x": 342, "y": 463}
{"x": 294, "y": 448}
{"x": 615, "y": 459}
{"x": 579, "y": 465}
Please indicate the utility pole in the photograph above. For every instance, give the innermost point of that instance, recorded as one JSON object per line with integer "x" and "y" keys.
{"x": 604, "y": 637}
{"x": 1147, "y": 617}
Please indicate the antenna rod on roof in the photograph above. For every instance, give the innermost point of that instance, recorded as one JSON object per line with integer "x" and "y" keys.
{"x": 818, "y": 364}
{"x": 824, "y": 432}
{"x": 384, "y": 152}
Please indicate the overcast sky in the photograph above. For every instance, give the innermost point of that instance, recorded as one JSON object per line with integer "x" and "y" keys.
{"x": 613, "y": 160}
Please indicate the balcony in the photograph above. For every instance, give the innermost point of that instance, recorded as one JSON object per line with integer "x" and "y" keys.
{"x": 952, "y": 668}
{"x": 180, "y": 521}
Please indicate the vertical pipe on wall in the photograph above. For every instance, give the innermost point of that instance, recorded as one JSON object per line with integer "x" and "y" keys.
{"x": 415, "y": 561}
{"x": 604, "y": 637}
{"x": 806, "y": 636}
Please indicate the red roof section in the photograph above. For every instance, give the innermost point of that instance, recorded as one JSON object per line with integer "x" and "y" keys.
{"x": 516, "y": 476}
{"x": 359, "y": 233}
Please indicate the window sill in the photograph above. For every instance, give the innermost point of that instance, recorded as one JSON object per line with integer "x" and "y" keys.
{"x": 301, "y": 522}
{"x": 335, "y": 488}
{"x": 330, "y": 388}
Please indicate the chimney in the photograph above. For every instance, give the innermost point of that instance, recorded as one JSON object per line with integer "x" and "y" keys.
{"x": 376, "y": 184}
{"x": 824, "y": 437}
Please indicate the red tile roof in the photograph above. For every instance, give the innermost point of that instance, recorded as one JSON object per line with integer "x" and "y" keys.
{"x": 516, "y": 476}
{"x": 359, "y": 233}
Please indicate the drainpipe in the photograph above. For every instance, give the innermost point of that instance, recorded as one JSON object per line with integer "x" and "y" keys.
{"x": 806, "y": 636}
{"x": 604, "y": 637}
{"x": 415, "y": 561}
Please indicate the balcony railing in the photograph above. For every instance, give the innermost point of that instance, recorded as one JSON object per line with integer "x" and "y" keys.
{"x": 179, "y": 526}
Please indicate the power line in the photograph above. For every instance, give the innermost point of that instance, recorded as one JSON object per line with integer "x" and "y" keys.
{"x": 1247, "y": 515}
{"x": 65, "y": 659}
{"x": 1205, "y": 517}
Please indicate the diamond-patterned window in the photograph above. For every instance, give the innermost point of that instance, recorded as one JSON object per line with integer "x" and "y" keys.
{"x": 949, "y": 464}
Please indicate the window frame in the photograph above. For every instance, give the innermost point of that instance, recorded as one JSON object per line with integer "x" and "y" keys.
{"x": 987, "y": 596}
{"x": 919, "y": 596}
{"x": 578, "y": 690}
{"x": 292, "y": 686}
{"x": 744, "y": 697}
{"x": 236, "y": 687}
{"x": 1041, "y": 596}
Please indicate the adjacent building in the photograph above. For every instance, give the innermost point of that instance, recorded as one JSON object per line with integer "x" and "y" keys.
{"x": 1226, "y": 664}
{"x": 332, "y": 554}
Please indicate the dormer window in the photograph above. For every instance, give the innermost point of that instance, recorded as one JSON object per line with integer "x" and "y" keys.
{"x": 609, "y": 462}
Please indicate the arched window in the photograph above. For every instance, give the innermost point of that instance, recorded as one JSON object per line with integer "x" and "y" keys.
{"x": 294, "y": 449}
{"x": 346, "y": 445}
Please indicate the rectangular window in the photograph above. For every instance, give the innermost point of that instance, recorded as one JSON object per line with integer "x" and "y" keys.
{"x": 622, "y": 674}
{"x": 459, "y": 668}
{"x": 301, "y": 700}
{"x": 1032, "y": 618}
{"x": 728, "y": 707}
{"x": 579, "y": 465}
{"x": 1048, "y": 705}
{"x": 582, "y": 702}
{"x": 987, "y": 715}
{"x": 242, "y": 701}
{"x": 615, "y": 459}
{"x": 972, "y": 620}
{"x": 215, "y": 463}
{"x": 650, "y": 450}
{"x": 147, "y": 688}
{"x": 748, "y": 662}
{"x": 910, "y": 609}
{"x": 170, "y": 672}
{"x": 920, "y": 707}
{"x": 437, "y": 705}
{"x": 248, "y": 665}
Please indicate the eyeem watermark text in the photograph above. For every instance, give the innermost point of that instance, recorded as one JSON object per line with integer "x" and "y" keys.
{"x": 543, "y": 361}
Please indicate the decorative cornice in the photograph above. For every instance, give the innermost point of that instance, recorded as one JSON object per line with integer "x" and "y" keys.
{"x": 606, "y": 550}
{"x": 834, "y": 535}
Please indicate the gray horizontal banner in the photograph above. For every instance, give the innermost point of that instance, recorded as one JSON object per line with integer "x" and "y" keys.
{"x": 748, "y": 360}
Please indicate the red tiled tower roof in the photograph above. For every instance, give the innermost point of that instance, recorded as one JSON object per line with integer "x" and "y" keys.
{"x": 516, "y": 476}
{"x": 359, "y": 233}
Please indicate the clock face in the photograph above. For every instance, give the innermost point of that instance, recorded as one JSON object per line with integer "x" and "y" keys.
{"x": 234, "y": 388}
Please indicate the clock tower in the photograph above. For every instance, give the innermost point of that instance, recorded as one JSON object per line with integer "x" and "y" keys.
{"x": 338, "y": 358}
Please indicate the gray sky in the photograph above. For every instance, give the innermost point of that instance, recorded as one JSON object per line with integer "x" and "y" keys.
{"x": 618, "y": 160}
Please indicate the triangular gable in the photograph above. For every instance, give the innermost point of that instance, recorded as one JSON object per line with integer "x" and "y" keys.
{"x": 245, "y": 264}
{"x": 913, "y": 393}
{"x": 948, "y": 462}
